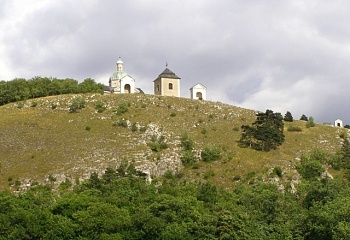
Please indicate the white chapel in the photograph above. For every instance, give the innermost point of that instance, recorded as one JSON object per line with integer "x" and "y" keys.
{"x": 121, "y": 82}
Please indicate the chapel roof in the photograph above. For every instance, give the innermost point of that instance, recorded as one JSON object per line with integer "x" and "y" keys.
{"x": 168, "y": 74}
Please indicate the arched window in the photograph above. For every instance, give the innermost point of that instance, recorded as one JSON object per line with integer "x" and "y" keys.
{"x": 170, "y": 86}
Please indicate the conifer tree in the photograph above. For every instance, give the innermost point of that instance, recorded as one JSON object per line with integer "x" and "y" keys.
{"x": 266, "y": 133}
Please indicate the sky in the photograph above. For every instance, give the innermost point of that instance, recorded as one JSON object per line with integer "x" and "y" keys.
{"x": 291, "y": 55}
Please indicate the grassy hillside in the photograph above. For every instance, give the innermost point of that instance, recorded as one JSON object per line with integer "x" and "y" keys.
{"x": 39, "y": 142}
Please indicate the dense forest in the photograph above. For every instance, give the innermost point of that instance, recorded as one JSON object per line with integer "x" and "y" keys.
{"x": 120, "y": 204}
{"x": 21, "y": 89}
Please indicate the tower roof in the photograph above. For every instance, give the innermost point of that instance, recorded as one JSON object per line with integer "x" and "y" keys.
{"x": 168, "y": 74}
{"x": 120, "y": 60}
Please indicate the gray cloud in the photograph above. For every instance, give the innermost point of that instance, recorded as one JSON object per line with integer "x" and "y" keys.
{"x": 281, "y": 55}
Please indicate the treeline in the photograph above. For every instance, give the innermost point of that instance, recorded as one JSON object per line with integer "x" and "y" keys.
{"x": 21, "y": 89}
{"x": 121, "y": 205}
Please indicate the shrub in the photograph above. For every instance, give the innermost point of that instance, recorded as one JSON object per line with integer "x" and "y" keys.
{"x": 204, "y": 131}
{"x": 87, "y": 128}
{"x": 294, "y": 129}
{"x": 310, "y": 122}
{"x": 122, "y": 123}
{"x": 310, "y": 167}
{"x": 236, "y": 129}
{"x": 169, "y": 174}
{"x": 173, "y": 114}
{"x": 53, "y": 106}
{"x": 188, "y": 158}
{"x": 143, "y": 129}
{"x": 211, "y": 153}
{"x": 237, "y": 178}
{"x": 77, "y": 104}
{"x": 99, "y": 106}
{"x": 20, "y": 104}
{"x": 157, "y": 144}
{"x": 186, "y": 142}
{"x": 208, "y": 174}
{"x": 122, "y": 108}
{"x": 134, "y": 127}
{"x": 278, "y": 171}
{"x": 34, "y": 104}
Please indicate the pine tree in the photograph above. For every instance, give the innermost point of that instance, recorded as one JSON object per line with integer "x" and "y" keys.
{"x": 266, "y": 132}
{"x": 304, "y": 118}
{"x": 288, "y": 117}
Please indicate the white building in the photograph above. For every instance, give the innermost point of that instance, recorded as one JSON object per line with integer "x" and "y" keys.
{"x": 198, "y": 91}
{"x": 121, "y": 82}
{"x": 338, "y": 123}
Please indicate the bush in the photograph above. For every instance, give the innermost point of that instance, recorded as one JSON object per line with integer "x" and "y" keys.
{"x": 134, "y": 127}
{"x": 87, "y": 128}
{"x": 294, "y": 129}
{"x": 34, "y": 104}
{"x": 122, "y": 123}
{"x": 173, "y": 114}
{"x": 53, "y": 106}
{"x": 188, "y": 158}
{"x": 235, "y": 129}
{"x": 186, "y": 142}
{"x": 208, "y": 174}
{"x": 278, "y": 171}
{"x": 211, "y": 153}
{"x": 157, "y": 144}
{"x": 99, "y": 106}
{"x": 310, "y": 167}
{"x": 169, "y": 174}
{"x": 122, "y": 108}
{"x": 77, "y": 104}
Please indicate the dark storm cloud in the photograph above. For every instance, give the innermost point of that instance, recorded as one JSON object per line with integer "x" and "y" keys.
{"x": 283, "y": 55}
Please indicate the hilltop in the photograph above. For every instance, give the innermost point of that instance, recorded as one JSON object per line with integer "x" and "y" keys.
{"x": 42, "y": 141}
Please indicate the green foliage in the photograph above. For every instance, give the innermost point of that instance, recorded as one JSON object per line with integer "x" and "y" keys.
{"x": 173, "y": 114}
{"x": 100, "y": 107}
{"x": 87, "y": 128}
{"x": 266, "y": 133}
{"x": 33, "y": 104}
{"x": 169, "y": 174}
{"x": 208, "y": 174}
{"x": 122, "y": 123}
{"x": 21, "y": 89}
{"x": 288, "y": 117}
{"x": 310, "y": 122}
{"x": 134, "y": 127}
{"x": 278, "y": 171}
{"x": 122, "y": 108}
{"x": 304, "y": 118}
{"x": 310, "y": 166}
{"x": 188, "y": 158}
{"x": 157, "y": 144}
{"x": 77, "y": 104}
{"x": 294, "y": 129}
{"x": 187, "y": 144}
{"x": 210, "y": 153}
{"x": 124, "y": 206}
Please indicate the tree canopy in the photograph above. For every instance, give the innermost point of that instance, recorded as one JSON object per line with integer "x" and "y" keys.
{"x": 266, "y": 133}
{"x": 21, "y": 89}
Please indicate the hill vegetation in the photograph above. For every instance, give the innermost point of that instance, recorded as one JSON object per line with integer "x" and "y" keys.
{"x": 43, "y": 137}
{"x": 136, "y": 166}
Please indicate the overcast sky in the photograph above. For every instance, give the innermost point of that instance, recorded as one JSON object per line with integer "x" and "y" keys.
{"x": 279, "y": 55}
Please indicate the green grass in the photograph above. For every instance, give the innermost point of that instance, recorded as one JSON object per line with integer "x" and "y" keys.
{"x": 38, "y": 142}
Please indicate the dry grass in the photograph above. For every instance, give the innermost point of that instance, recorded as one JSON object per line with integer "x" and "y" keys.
{"x": 36, "y": 142}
